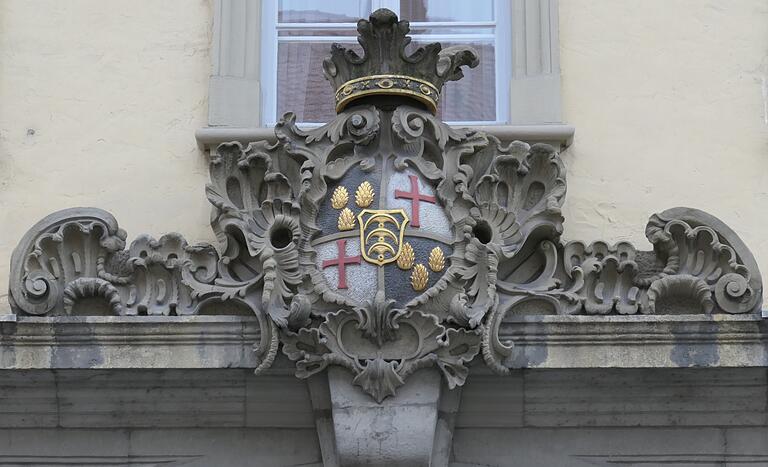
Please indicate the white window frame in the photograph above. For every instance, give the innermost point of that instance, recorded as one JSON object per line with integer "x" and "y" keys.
{"x": 532, "y": 84}
{"x": 501, "y": 37}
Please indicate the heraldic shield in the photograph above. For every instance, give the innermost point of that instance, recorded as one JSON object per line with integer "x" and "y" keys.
{"x": 382, "y": 230}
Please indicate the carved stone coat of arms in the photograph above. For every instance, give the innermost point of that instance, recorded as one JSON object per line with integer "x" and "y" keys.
{"x": 385, "y": 241}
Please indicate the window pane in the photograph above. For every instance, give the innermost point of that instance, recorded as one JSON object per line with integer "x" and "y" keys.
{"x": 446, "y": 10}
{"x": 301, "y": 86}
{"x": 454, "y": 30}
{"x": 343, "y": 35}
{"x": 302, "y": 89}
{"x": 326, "y": 11}
{"x": 473, "y": 97}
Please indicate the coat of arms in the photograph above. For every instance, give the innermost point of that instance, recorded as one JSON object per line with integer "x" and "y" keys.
{"x": 382, "y": 230}
{"x": 385, "y": 241}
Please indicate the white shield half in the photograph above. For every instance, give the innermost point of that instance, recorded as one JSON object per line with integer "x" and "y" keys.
{"x": 357, "y": 278}
{"x": 408, "y": 191}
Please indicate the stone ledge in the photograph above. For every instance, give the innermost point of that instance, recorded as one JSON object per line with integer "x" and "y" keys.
{"x": 644, "y": 341}
{"x": 558, "y": 135}
{"x": 117, "y": 342}
{"x": 558, "y": 342}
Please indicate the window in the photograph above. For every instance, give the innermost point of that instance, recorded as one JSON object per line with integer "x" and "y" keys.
{"x": 297, "y": 34}
{"x": 517, "y": 82}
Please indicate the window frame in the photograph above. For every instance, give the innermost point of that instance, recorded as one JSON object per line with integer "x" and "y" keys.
{"x": 235, "y": 88}
{"x": 502, "y": 53}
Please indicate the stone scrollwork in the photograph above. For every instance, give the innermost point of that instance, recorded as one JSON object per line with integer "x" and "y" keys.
{"x": 55, "y": 252}
{"x": 447, "y": 232}
{"x": 382, "y": 346}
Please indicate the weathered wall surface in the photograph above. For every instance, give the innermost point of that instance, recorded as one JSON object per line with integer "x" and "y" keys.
{"x": 98, "y": 107}
{"x": 228, "y": 417}
{"x": 670, "y": 104}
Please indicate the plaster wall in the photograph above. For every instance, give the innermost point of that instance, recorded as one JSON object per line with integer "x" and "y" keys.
{"x": 670, "y": 104}
{"x": 99, "y": 104}
{"x": 98, "y": 107}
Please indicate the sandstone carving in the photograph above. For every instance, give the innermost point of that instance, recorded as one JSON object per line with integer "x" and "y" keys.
{"x": 485, "y": 216}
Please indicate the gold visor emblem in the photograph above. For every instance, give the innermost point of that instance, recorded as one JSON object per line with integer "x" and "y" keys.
{"x": 381, "y": 234}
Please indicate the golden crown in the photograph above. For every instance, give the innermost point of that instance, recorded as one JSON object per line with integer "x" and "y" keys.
{"x": 387, "y": 69}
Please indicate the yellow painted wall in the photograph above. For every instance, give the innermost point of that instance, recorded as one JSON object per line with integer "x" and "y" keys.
{"x": 669, "y": 102}
{"x": 99, "y": 102}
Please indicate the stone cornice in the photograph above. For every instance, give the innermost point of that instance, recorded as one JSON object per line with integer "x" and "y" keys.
{"x": 121, "y": 342}
{"x": 638, "y": 341}
{"x": 553, "y": 342}
{"x": 558, "y": 135}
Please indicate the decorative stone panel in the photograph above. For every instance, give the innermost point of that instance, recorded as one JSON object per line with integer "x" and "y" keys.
{"x": 384, "y": 242}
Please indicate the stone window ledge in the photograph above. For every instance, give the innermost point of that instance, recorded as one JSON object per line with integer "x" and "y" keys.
{"x": 556, "y": 342}
{"x": 558, "y": 135}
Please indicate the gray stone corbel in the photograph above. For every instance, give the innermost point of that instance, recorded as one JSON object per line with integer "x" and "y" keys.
{"x": 398, "y": 431}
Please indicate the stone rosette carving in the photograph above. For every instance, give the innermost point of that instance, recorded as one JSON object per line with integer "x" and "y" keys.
{"x": 451, "y": 233}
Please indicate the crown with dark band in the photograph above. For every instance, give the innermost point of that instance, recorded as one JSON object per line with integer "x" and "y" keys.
{"x": 387, "y": 69}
